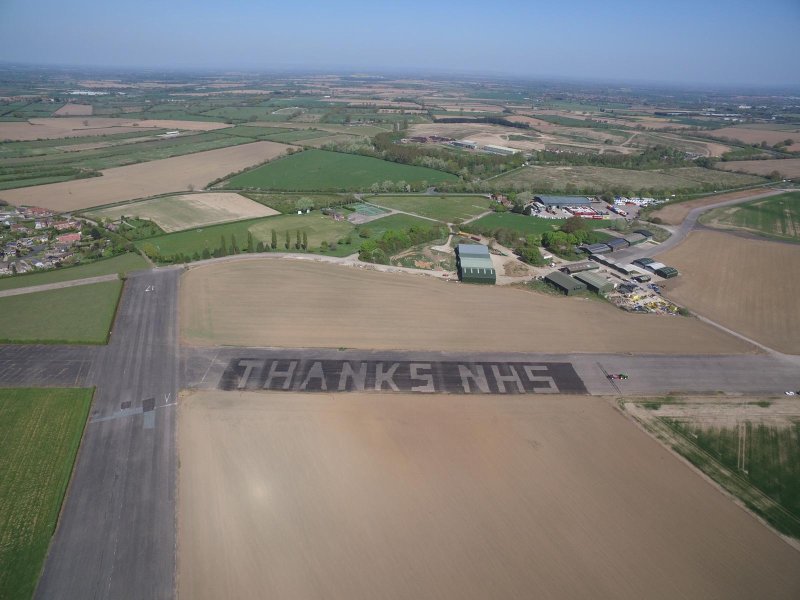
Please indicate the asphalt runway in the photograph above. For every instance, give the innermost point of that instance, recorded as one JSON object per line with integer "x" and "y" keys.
{"x": 762, "y": 374}
{"x": 116, "y": 534}
{"x": 46, "y": 366}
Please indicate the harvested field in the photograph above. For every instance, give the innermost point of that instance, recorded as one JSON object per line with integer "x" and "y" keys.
{"x": 398, "y": 496}
{"x": 787, "y": 167}
{"x": 744, "y": 284}
{"x": 175, "y": 213}
{"x": 176, "y": 174}
{"x": 63, "y": 127}
{"x": 752, "y": 135}
{"x": 399, "y": 311}
{"x": 674, "y": 214}
{"x": 74, "y": 110}
{"x": 664, "y": 181}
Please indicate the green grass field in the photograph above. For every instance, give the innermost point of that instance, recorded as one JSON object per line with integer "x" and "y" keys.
{"x": 523, "y": 224}
{"x": 287, "y": 202}
{"x": 776, "y": 217}
{"x": 331, "y": 171}
{"x": 317, "y": 226}
{"x": 118, "y": 264}
{"x": 772, "y": 465}
{"x": 74, "y": 315}
{"x": 398, "y": 222}
{"x": 40, "y": 431}
{"x": 441, "y": 208}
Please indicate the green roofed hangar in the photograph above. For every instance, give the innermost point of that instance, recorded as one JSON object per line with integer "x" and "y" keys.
{"x": 474, "y": 264}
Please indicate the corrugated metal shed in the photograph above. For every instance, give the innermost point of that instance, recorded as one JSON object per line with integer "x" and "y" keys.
{"x": 563, "y": 200}
{"x": 472, "y": 250}
{"x": 568, "y": 285}
{"x": 644, "y": 261}
{"x": 654, "y": 266}
{"x": 667, "y": 272}
{"x": 634, "y": 238}
{"x": 581, "y": 266}
{"x": 474, "y": 264}
{"x": 595, "y": 282}
{"x": 598, "y": 248}
{"x": 616, "y": 244}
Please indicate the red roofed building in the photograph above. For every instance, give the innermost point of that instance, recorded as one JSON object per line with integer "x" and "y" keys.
{"x": 68, "y": 238}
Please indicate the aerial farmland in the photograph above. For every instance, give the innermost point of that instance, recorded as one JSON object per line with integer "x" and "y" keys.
{"x": 233, "y": 301}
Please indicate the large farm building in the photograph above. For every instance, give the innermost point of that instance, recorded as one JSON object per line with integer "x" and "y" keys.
{"x": 474, "y": 264}
{"x": 562, "y": 201}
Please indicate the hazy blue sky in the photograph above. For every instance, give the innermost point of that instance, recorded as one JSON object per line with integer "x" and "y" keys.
{"x": 692, "y": 41}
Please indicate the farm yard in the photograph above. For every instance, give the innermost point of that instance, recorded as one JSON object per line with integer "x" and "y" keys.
{"x": 743, "y": 284}
{"x": 775, "y": 217}
{"x": 445, "y": 208}
{"x": 389, "y": 311}
{"x": 387, "y": 467}
{"x": 175, "y": 213}
{"x": 132, "y": 182}
{"x": 321, "y": 170}
{"x": 40, "y": 431}
{"x": 72, "y": 315}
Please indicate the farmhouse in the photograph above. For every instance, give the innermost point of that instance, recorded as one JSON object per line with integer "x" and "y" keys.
{"x": 474, "y": 264}
{"x": 562, "y": 201}
{"x": 565, "y": 283}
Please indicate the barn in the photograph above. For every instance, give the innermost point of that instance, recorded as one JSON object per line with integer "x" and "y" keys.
{"x": 562, "y": 201}
{"x": 474, "y": 264}
{"x": 568, "y": 285}
{"x": 595, "y": 282}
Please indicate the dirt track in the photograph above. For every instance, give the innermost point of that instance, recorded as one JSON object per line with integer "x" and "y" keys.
{"x": 745, "y": 284}
{"x": 175, "y": 174}
{"x": 302, "y": 304}
{"x": 366, "y": 496}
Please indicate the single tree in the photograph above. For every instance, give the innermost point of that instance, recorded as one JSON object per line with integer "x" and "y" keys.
{"x": 297, "y": 240}
{"x": 274, "y": 240}
{"x": 305, "y": 241}
{"x": 288, "y": 240}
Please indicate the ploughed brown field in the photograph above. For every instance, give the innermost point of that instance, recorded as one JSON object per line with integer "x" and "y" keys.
{"x": 787, "y": 167}
{"x": 288, "y": 303}
{"x": 50, "y": 128}
{"x": 177, "y": 174}
{"x": 366, "y": 496}
{"x": 752, "y": 135}
{"x": 674, "y": 214}
{"x": 747, "y": 285}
